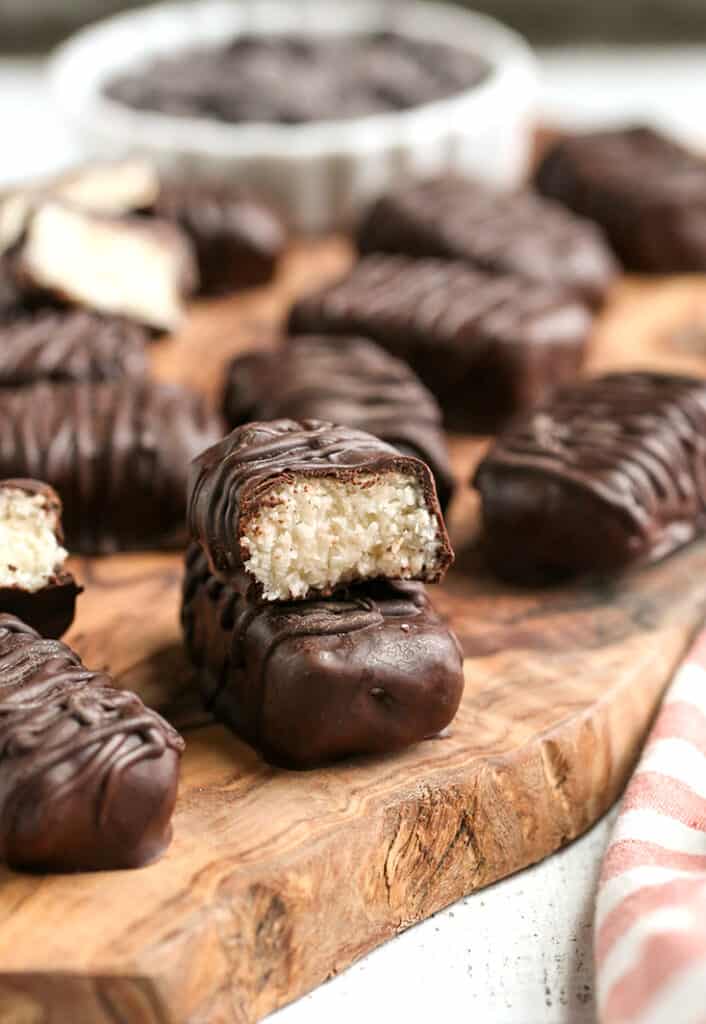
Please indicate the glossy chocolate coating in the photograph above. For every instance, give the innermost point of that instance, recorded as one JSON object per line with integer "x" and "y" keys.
{"x": 343, "y": 380}
{"x": 237, "y": 239}
{"x": 646, "y": 191}
{"x": 57, "y": 344}
{"x": 294, "y": 78}
{"x": 371, "y": 670}
{"x": 89, "y": 774}
{"x": 500, "y": 232}
{"x": 50, "y": 610}
{"x": 486, "y": 346}
{"x": 609, "y": 474}
{"x": 231, "y": 482}
{"x": 117, "y": 453}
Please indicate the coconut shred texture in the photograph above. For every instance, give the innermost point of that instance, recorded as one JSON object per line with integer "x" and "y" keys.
{"x": 304, "y": 507}
{"x": 30, "y": 552}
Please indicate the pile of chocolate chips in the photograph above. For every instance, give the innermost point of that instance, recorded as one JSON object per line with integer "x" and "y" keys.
{"x": 294, "y": 79}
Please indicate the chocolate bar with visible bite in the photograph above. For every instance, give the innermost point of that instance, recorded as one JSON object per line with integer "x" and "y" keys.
{"x": 500, "y": 232}
{"x": 487, "y": 346}
{"x": 137, "y": 267}
{"x": 54, "y": 343}
{"x": 88, "y": 774}
{"x": 646, "y": 191}
{"x": 34, "y": 583}
{"x": 238, "y": 239}
{"x": 609, "y": 474}
{"x": 370, "y": 670}
{"x": 350, "y": 381}
{"x": 303, "y": 507}
{"x": 117, "y": 452}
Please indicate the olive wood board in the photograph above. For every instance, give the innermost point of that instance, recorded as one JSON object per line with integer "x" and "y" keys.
{"x": 277, "y": 880}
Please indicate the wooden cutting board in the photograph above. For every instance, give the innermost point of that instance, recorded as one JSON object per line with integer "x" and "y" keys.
{"x": 275, "y": 881}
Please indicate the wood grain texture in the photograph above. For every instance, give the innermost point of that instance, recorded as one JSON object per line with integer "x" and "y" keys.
{"x": 277, "y": 880}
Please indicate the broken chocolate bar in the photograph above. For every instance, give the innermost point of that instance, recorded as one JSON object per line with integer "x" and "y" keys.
{"x": 350, "y": 381}
{"x": 89, "y": 774}
{"x": 34, "y": 584}
{"x": 646, "y": 191}
{"x": 501, "y": 232}
{"x": 237, "y": 239}
{"x": 370, "y": 670}
{"x": 60, "y": 344}
{"x": 117, "y": 453}
{"x": 123, "y": 186}
{"x": 486, "y": 346}
{"x": 140, "y": 268}
{"x": 304, "y": 507}
{"x": 611, "y": 473}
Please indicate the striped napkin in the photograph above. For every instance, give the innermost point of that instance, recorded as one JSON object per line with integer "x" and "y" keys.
{"x": 650, "y": 928}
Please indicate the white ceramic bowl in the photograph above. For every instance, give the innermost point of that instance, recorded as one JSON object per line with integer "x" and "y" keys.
{"x": 320, "y": 172}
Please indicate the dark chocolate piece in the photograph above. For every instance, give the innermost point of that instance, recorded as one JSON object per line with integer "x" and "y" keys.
{"x": 350, "y": 381}
{"x": 89, "y": 774}
{"x": 500, "y": 232}
{"x": 371, "y": 670}
{"x": 293, "y": 79}
{"x": 647, "y": 192}
{"x": 34, "y": 585}
{"x": 304, "y": 506}
{"x": 117, "y": 453}
{"x": 611, "y": 473}
{"x": 486, "y": 346}
{"x": 137, "y": 267}
{"x": 59, "y": 344}
{"x": 238, "y": 240}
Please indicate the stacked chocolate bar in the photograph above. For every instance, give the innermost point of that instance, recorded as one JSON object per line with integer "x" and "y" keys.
{"x": 303, "y": 608}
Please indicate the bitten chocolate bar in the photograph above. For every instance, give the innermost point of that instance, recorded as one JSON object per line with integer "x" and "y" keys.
{"x": 117, "y": 453}
{"x": 58, "y": 344}
{"x": 487, "y": 346}
{"x": 370, "y": 670}
{"x": 238, "y": 240}
{"x": 34, "y": 583}
{"x": 500, "y": 232}
{"x": 350, "y": 381}
{"x": 304, "y": 507}
{"x": 137, "y": 267}
{"x": 647, "y": 193}
{"x": 88, "y": 774}
{"x": 611, "y": 473}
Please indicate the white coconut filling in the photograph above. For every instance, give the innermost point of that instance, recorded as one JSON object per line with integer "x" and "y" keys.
{"x": 317, "y": 532}
{"x": 109, "y": 265}
{"x": 29, "y": 551}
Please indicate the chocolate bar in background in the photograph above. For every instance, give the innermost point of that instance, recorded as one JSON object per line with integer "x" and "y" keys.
{"x": 118, "y": 454}
{"x": 34, "y": 583}
{"x": 370, "y": 670}
{"x": 350, "y": 381}
{"x": 55, "y": 343}
{"x": 499, "y": 232}
{"x": 609, "y": 474}
{"x": 303, "y": 507}
{"x": 646, "y": 191}
{"x": 88, "y": 775}
{"x": 487, "y": 346}
{"x": 238, "y": 240}
{"x": 137, "y": 267}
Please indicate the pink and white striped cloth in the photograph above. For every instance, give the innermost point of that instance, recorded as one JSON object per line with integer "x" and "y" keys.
{"x": 650, "y": 927}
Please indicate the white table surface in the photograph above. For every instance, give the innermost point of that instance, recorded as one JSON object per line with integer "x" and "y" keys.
{"x": 520, "y": 951}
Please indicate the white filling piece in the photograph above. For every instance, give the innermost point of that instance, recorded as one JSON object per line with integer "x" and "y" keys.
{"x": 29, "y": 551}
{"x": 316, "y": 533}
{"x": 110, "y": 188}
{"x": 106, "y": 264}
